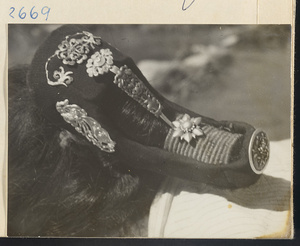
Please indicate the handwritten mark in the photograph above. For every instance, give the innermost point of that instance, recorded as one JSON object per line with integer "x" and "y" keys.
{"x": 33, "y": 14}
{"x": 184, "y": 7}
{"x": 45, "y": 11}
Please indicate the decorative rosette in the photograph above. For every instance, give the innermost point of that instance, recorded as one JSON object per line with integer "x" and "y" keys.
{"x": 187, "y": 128}
{"x": 99, "y": 63}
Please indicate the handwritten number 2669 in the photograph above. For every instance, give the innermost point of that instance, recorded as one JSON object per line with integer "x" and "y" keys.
{"x": 33, "y": 14}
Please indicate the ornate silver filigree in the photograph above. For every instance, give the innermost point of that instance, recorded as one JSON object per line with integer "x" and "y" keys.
{"x": 71, "y": 51}
{"x": 259, "y": 151}
{"x": 85, "y": 125}
{"x": 135, "y": 88}
{"x": 75, "y": 50}
{"x": 62, "y": 77}
{"x": 99, "y": 63}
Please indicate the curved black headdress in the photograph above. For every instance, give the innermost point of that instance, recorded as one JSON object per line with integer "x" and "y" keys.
{"x": 81, "y": 82}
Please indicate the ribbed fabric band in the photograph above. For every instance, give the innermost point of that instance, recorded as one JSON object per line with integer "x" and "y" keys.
{"x": 217, "y": 146}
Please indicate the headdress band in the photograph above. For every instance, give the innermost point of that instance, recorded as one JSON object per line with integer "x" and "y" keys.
{"x": 75, "y": 50}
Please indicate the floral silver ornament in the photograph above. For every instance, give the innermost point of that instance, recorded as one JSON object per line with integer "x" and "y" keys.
{"x": 90, "y": 39}
{"x": 71, "y": 51}
{"x": 187, "y": 128}
{"x": 75, "y": 50}
{"x": 62, "y": 77}
{"x": 99, "y": 63}
{"x": 85, "y": 125}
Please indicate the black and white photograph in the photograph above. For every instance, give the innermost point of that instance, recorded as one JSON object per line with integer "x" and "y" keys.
{"x": 149, "y": 131}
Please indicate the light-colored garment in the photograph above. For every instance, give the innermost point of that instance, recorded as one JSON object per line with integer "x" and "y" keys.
{"x": 185, "y": 210}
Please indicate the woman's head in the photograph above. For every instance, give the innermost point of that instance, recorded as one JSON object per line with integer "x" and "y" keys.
{"x": 95, "y": 137}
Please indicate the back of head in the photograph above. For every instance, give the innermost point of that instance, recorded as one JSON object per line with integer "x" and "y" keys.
{"x": 59, "y": 185}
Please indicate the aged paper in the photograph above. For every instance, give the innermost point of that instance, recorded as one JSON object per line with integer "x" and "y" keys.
{"x": 197, "y": 12}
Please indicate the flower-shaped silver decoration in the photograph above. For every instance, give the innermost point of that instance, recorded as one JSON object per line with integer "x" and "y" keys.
{"x": 81, "y": 47}
{"x": 99, "y": 63}
{"x": 187, "y": 128}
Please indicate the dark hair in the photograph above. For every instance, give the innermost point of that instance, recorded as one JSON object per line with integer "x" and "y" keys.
{"x": 59, "y": 184}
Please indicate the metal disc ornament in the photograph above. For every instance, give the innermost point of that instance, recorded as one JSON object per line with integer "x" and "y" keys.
{"x": 259, "y": 151}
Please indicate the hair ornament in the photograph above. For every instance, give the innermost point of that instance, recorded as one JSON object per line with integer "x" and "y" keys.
{"x": 85, "y": 125}
{"x": 71, "y": 51}
{"x": 99, "y": 63}
{"x": 187, "y": 128}
{"x": 75, "y": 49}
{"x": 259, "y": 151}
{"x": 62, "y": 77}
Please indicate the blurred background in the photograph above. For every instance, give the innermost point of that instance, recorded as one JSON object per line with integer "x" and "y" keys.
{"x": 227, "y": 72}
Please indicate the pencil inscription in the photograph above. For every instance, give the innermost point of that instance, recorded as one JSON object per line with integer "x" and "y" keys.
{"x": 186, "y": 4}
